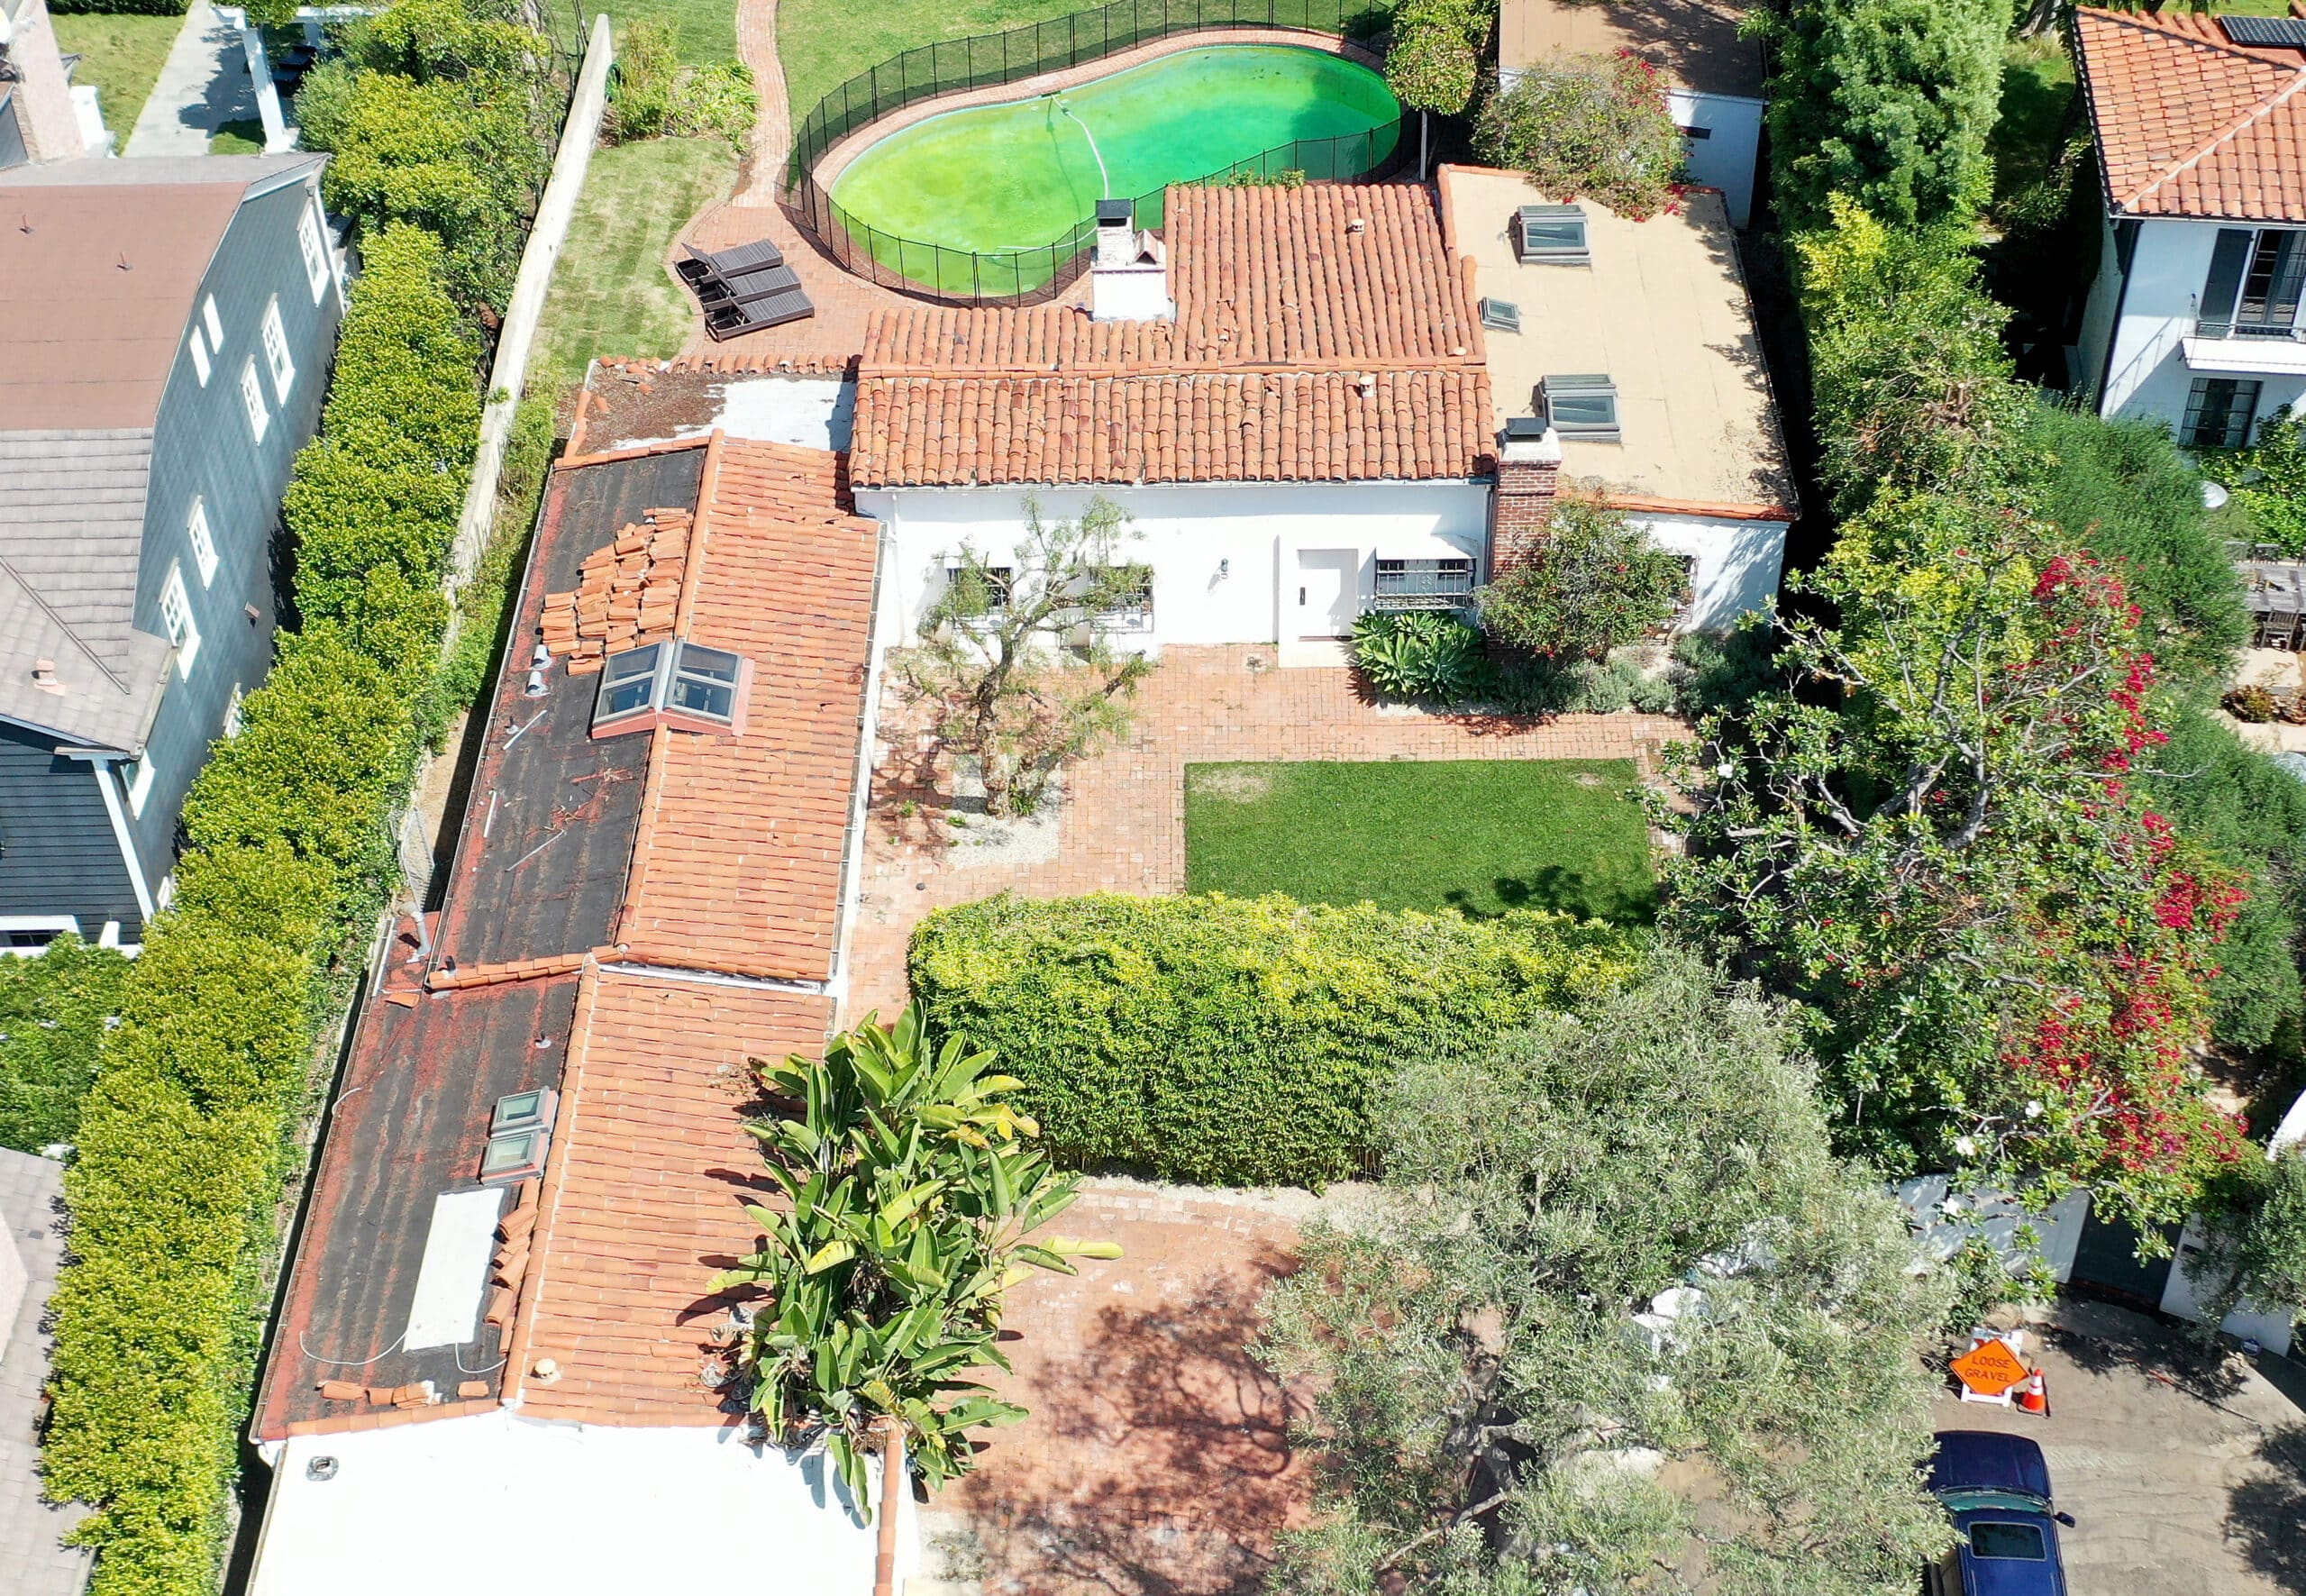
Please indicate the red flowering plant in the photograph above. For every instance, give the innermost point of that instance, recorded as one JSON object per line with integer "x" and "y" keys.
{"x": 1934, "y": 844}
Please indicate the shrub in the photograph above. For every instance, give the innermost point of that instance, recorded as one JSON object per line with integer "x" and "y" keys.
{"x": 1726, "y": 670}
{"x": 1233, "y": 1041}
{"x": 1598, "y": 582}
{"x": 2274, "y": 489}
{"x": 54, "y": 1011}
{"x": 1587, "y": 127}
{"x": 2123, "y": 489}
{"x": 1887, "y": 103}
{"x": 716, "y": 102}
{"x": 1434, "y": 60}
{"x": 654, "y": 96}
{"x": 2255, "y": 1249}
{"x": 1419, "y": 654}
{"x": 184, "y": 1140}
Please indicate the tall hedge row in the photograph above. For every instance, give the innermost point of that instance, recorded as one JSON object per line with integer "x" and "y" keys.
{"x": 1234, "y": 1040}
{"x": 188, "y": 1135}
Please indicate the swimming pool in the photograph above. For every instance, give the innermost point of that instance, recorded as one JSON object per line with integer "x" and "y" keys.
{"x": 1011, "y": 189}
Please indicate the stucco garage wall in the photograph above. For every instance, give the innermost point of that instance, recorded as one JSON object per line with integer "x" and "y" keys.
{"x": 1224, "y": 555}
{"x": 1737, "y": 564}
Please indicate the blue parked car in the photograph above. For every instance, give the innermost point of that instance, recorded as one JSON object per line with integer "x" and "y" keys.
{"x": 1997, "y": 1487}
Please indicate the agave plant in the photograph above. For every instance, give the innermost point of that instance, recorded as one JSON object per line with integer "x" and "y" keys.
{"x": 910, "y": 1190}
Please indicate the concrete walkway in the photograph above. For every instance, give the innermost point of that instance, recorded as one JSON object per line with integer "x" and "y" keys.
{"x": 33, "y": 1562}
{"x": 203, "y": 86}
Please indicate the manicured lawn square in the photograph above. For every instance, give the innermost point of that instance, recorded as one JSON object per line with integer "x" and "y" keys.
{"x": 1478, "y": 835}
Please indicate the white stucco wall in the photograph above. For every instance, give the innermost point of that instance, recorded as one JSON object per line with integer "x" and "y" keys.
{"x": 2097, "y": 315}
{"x": 1725, "y": 160}
{"x": 2149, "y": 375}
{"x": 1224, "y": 555}
{"x": 1737, "y": 564}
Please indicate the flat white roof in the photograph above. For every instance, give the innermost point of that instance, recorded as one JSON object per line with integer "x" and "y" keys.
{"x": 497, "y": 1502}
{"x": 1663, "y": 312}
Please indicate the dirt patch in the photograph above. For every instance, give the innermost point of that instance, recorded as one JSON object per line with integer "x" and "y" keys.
{"x": 1586, "y": 778}
{"x": 1233, "y": 784}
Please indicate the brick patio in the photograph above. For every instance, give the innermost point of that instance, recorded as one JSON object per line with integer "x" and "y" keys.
{"x": 1123, "y": 826}
{"x": 1157, "y": 1459}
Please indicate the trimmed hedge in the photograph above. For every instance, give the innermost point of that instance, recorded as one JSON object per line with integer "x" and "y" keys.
{"x": 189, "y": 1134}
{"x": 1236, "y": 1041}
{"x": 53, "y": 1010}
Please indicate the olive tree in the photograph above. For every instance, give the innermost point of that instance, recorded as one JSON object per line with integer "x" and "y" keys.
{"x": 1617, "y": 1319}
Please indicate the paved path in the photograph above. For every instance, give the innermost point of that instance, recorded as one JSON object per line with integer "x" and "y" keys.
{"x": 33, "y": 1561}
{"x": 204, "y": 85}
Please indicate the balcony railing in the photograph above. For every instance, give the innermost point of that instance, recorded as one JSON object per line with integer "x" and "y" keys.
{"x": 2270, "y": 331}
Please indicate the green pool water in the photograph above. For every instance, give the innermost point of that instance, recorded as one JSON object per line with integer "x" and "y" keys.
{"x": 997, "y": 186}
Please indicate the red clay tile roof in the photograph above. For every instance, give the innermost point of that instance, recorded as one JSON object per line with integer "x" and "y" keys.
{"x": 1288, "y": 300}
{"x": 737, "y": 866}
{"x": 643, "y": 1197}
{"x": 2190, "y": 123}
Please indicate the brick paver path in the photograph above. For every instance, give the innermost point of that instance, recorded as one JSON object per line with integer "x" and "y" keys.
{"x": 1124, "y": 823}
{"x": 1157, "y": 1459}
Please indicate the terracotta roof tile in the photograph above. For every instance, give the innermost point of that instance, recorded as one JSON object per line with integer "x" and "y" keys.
{"x": 738, "y": 863}
{"x": 643, "y": 1200}
{"x": 2190, "y": 123}
{"x": 1322, "y": 334}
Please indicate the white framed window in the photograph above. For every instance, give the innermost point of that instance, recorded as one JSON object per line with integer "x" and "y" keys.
{"x": 199, "y": 346}
{"x": 316, "y": 247}
{"x": 27, "y": 937}
{"x": 176, "y": 615}
{"x": 259, "y": 417}
{"x": 233, "y": 721}
{"x": 213, "y": 323}
{"x": 204, "y": 543}
{"x": 136, "y": 780}
{"x": 276, "y": 351}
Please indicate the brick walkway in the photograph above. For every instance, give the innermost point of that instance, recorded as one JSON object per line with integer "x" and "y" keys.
{"x": 1123, "y": 828}
{"x": 1157, "y": 1460}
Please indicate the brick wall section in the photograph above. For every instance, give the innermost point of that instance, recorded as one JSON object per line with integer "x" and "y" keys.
{"x": 1519, "y": 511}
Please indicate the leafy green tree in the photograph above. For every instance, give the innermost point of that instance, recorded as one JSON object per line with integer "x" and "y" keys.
{"x": 910, "y": 1192}
{"x": 2255, "y": 1247}
{"x": 1617, "y": 1320}
{"x": 1887, "y": 103}
{"x": 1600, "y": 582}
{"x": 1944, "y": 848}
{"x": 1587, "y": 127}
{"x": 1911, "y": 385}
{"x": 54, "y": 1011}
{"x": 2272, "y": 484}
{"x": 1434, "y": 63}
{"x": 2124, "y": 491}
{"x": 1000, "y": 667}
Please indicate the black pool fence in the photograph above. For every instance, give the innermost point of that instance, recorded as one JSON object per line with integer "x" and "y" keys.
{"x": 953, "y": 65}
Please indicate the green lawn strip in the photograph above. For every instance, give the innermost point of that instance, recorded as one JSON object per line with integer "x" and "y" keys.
{"x": 121, "y": 57}
{"x": 2037, "y": 89}
{"x": 824, "y": 43}
{"x": 238, "y": 138}
{"x": 611, "y": 293}
{"x": 705, "y": 28}
{"x": 1479, "y": 835}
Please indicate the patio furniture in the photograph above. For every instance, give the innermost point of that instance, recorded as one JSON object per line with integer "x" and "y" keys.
{"x": 744, "y": 288}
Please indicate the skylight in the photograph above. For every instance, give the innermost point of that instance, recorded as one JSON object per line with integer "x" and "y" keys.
{"x": 1553, "y": 235}
{"x": 679, "y": 684}
{"x": 1583, "y": 405}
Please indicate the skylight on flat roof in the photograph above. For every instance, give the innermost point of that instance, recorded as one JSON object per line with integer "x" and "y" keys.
{"x": 1553, "y": 235}
{"x": 1580, "y": 406}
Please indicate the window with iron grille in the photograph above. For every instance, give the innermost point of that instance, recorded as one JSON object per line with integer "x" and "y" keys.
{"x": 2219, "y": 412}
{"x": 1424, "y": 584}
{"x": 998, "y": 583}
{"x": 1126, "y": 594}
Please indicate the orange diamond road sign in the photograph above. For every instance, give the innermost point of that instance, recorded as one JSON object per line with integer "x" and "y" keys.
{"x": 1990, "y": 1369}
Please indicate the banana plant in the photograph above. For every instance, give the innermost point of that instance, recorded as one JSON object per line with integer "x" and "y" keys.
{"x": 909, "y": 1191}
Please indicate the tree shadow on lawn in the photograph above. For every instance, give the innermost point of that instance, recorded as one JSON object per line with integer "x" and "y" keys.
{"x": 1564, "y": 890}
{"x": 1165, "y": 1467}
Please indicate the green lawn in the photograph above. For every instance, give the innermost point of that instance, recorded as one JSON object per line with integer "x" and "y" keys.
{"x": 238, "y": 138}
{"x": 121, "y": 56}
{"x": 1480, "y": 835}
{"x": 611, "y": 293}
{"x": 823, "y": 42}
{"x": 706, "y": 29}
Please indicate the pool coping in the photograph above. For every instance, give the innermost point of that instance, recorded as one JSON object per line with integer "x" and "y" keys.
{"x": 837, "y": 159}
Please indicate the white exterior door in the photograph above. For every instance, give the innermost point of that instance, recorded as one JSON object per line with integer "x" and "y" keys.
{"x": 1329, "y": 592}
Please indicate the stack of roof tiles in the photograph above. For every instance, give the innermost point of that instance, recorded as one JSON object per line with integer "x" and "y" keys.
{"x": 1323, "y": 333}
{"x": 629, "y": 593}
{"x": 2190, "y": 123}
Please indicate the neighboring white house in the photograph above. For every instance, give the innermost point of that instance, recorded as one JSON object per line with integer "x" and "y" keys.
{"x": 2201, "y": 140}
{"x": 1715, "y": 80}
{"x": 1634, "y": 342}
{"x": 1286, "y": 394}
{"x": 1293, "y": 395}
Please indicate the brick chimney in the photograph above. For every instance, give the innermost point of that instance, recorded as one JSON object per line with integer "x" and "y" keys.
{"x": 1129, "y": 276}
{"x": 1529, "y": 476}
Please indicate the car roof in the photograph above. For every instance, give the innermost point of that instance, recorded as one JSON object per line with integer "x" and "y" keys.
{"x": 2013, "y": 1576}
{"x": 1987, "y": 1460}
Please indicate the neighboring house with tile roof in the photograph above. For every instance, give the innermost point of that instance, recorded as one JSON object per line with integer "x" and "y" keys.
{"x": 2200, "y": 124}
{"x": 1717, "y": 81}
{"x": 166, "y": 331}
{"x": 495, "y": 1334}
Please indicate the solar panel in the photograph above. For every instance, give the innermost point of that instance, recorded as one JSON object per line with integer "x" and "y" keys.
{"x": 2265, "y": 32}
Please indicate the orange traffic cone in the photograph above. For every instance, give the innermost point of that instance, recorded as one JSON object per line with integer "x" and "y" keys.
{"x": 2034, "y": 1396}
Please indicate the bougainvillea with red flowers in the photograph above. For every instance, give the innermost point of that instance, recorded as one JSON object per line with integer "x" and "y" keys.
{"x": 1936, "y": 840}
